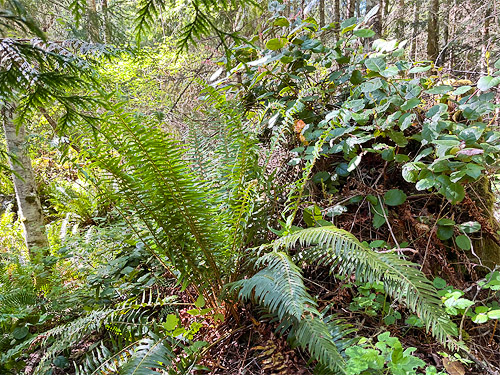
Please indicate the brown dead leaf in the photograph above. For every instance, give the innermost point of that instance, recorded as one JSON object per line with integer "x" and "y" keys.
{"x": 299, "y": 125}
{"x": 453, "y": 367}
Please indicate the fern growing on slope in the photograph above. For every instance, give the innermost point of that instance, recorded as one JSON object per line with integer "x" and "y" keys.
{"x": 151, "y": 179}
{"x": 279, "y": 287}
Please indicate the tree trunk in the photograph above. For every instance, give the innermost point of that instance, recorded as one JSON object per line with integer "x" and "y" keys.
{"x": 433, "y": 31}
{"x": 321, "y": 13}
{"x": 30, "y": 209}
{"x": 377, "y": 18}
{"x": 400, "y": 21}
{"x": 446, "y": 34}
{"x": 336, "y": 16}
{"x": 486, "y": 39}
{"x": 415, "y": 31}
{"x": 351, "y": 8}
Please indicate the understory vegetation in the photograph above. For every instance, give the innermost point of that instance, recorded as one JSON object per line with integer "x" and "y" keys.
{"x": 212, "y": 187}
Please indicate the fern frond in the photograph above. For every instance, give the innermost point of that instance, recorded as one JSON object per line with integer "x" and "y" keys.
{"x": 152, "y": 178}
{"x": 279, "y": 286}
{"x": 313, "y": 334}
{"x": 402, "y": 279}
{"x": 149, "y": 357}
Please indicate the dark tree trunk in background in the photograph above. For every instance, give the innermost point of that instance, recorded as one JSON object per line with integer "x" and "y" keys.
{"x": 321, "y": 13}
{"x": 351, "y": 8}
{"x": 377, "y": 18}
{"x": 336, "y": 16}
{"x": 446, "y": 34}
{"x": 400, "y": 22}
{"x": 415, "y": 31}
{"x": 433, "y": 31}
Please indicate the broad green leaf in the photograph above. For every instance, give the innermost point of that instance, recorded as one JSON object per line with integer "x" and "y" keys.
{"x": 461, "y": 90}
{"x": 438, "y": 90}
{"x": 389, "y": 72}
{"x": 444, "y": 233}
{"x": 439, "y": 283}
{"x": 20, "y": 333}
{"x": 356, "y": 77}
{"x": 410, "y": 104}
{"x": 171, "y": 322}
{"x": 413, "y": 91}
{"x": 463, "y": 242}
{"x": 494, "y": 314}
{"x": 378, "y": 215}
{"x": 425, "y": 183}
{"x": 276, "y": 44}
{"x": 394, "y": 197}
{"x": 281, "y": 21}
{"x": 200, "y": 301}
{"x": 480, "y": 318}
{"x": 406, "y": 120}
{"x": 419, "y": 69}
{"x": 473, "y": 170}
{"x": 376, "y": 64}
{"x": 487, "y": 82}
{"x": 364, "y": 33}
{"x": 470, "y": 227}
{"x": 445, "y": 222}
{"x": 410, "y": 172}
{"x": 354, "y": 163}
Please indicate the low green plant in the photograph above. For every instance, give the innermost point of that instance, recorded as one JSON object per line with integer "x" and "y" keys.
{"x": 386, "y": 356}
{"x": 372, "y": 300}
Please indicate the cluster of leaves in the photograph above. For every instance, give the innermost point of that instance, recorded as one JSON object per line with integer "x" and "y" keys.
{"x": 436, "y": 132}
{"x": 386, "y": 356}
{"x": 457, "y": 305}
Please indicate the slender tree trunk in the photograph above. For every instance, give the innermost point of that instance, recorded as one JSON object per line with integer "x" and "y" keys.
{"x": 107, "y": 24}
{"x": 30, "y": 209}
{"x": 486, "y": 39}
{"x": 336, "y": 16}
{"x": 377, "y": 19}
{"x": 415, "y": 31}
{"x": 400, "y": 22}
{"x": 321, "y": 13}
{"x": 351, "y": 8}
{"x": 446, "y": 34}
{"x": 433, "y": 31}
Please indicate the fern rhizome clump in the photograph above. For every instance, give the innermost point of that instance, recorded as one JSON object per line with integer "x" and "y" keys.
{"x": 328, "y": 205}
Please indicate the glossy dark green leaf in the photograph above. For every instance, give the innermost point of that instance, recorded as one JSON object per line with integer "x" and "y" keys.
{"x": 394, "y": 197}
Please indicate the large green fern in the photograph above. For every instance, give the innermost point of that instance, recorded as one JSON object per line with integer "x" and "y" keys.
{"x": 279, "y": 287}
{"x": 402, "y": 279}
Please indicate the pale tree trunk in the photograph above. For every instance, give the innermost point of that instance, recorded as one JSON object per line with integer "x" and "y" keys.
{"x": 107, "y": 25}
{"x": 30, "y": 209}
{"x": 433, "y": 31}
{"x": 486, "y": 39}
